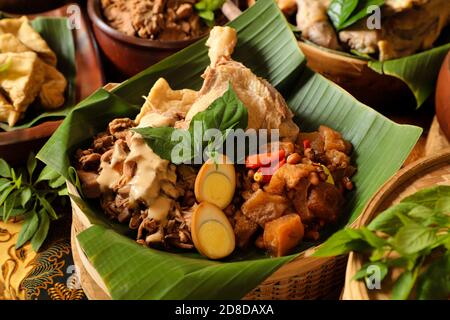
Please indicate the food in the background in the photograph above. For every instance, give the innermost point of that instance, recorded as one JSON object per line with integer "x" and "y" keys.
{"x": 28, "y": 71}
{"x": 407, "y": 27}
{"x": 313, "y": 22}
{"x": 167, "y": 20}
{"x": 288, "y": 192}
{"x": 212, "y": 232}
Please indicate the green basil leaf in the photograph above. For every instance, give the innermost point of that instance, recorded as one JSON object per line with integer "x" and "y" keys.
{"x": 16, "y": 212}
{"x": 42, "y": 231}
{"x": 5, "y": 169}
{"x": 28, "y": 229}
{"x": 340, "y": 10}
{"x": 47, "y": 174}
{"x": 405, "y": 219}
{"x": 372, "y": 238}
{"x": 403, "y": 286}
{"x": 442, "y": 205}
{"x": 377, "y": 254}
{"x": 19, "y": 182}
{"x": 388, "y": 221}
{"x": 48, "y": 207}
{"x": 420, "y": 213}
{"x": 439, "y": 219}
{"x": 31, "y": 164}
{"x": 63, "y": 192}
{"x": 434, "y": 282}
{"x": 342, "y": 242}
{"x": 160, "y": 140}
{"x": 428, "y": 197}
{"x": 210, "y": 5}
{"x": 56, "y": 183}
{"x": 9, "y": 205}
{"x": 402, "y": 262}
{"x": 5, "y": 194}
{"x": 360, "y": 12}
{"x": 226, "y": 112}
{"x": 413, "y": 238}
{"x": 4, "y": 183}
{"x": 208, "y": 16}
{"x": 25, "y": 196}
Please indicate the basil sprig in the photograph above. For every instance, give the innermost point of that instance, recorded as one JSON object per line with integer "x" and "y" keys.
{"x": 417, "y": 230}
{"x": 225, "y": 113}
{"x": 29, "y": 195}
{"x": 344, "y": 13}
{"x": 206, "y": 8}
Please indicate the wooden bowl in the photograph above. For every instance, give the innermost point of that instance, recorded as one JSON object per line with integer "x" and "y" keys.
{"x": 354, "y": 75}
{"x": 15, "y": 145}
{"x": 424, "y": 173}
{"x": 443, "y": 97}
{"x": 130, "y": 54}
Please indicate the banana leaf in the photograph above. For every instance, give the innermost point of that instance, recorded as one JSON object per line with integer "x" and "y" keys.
{"x": 267, "y": 45}
{"x": 419, "y": 71}
{"x": 60, "y": 39}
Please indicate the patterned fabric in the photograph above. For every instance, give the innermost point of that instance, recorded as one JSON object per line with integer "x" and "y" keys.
{"x": 47, "y": 275}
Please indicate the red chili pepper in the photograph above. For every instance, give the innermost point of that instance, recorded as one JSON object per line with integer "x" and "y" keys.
{"x": 264, "y": 159}
{"x": 268, "y": 172}
{"x": 306, "y": 144}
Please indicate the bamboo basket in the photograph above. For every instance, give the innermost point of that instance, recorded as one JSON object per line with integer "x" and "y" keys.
{"x": 425, "y": 172}
{"x": 305, "y": 277}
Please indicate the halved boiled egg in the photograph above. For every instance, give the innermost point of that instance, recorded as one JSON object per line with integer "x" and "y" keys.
{"x": 211, "y": 231}
{"x": 216, "y": 182}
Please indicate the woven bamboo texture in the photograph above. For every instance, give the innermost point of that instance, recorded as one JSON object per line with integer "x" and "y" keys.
{"x": 425, "y": 172}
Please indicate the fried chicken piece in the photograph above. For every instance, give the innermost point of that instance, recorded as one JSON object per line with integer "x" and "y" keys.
{"x": 266, "y": 107}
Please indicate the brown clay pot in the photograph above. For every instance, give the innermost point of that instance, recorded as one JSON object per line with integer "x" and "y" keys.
{"x": 353, "y": 74}
{"x": 443, "y": 97}
{"x": 129, "y": 54}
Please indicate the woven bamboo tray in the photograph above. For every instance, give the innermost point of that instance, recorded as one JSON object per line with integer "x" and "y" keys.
{"x": 425, "y": 172}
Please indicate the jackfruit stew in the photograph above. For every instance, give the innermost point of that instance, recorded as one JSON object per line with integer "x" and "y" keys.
{"x": 287, "y": 192}
{"x": 163, "y": 20}
{"x": 27, "y": 71}
{"x": 405, "y": 26}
